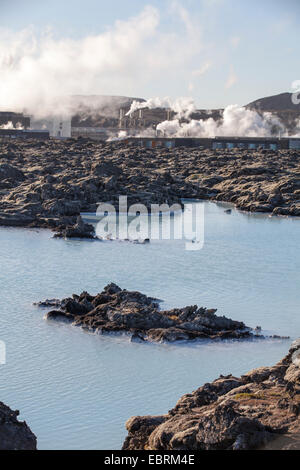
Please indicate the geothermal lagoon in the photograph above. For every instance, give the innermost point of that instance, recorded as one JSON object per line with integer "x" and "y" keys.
{"x": 78, "y": 389}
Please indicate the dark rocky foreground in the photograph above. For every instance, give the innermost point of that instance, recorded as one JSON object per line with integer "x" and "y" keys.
{"x": 117, "y": 310}
{"x": 260, "y": 410}
{"x": 14, "y": 435}
{"x": 47, "y": 184}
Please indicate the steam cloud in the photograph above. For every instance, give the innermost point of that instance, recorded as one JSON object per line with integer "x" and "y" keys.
{"x": 183, "y": 107}
{"x": 11, "y": 126}
{"x": 39, "y": 73}
{"x": 236, "y": 121}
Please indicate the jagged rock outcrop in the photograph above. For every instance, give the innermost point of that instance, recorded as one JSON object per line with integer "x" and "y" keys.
{"x": 258, "y": 410}
{"x": 117, "y": 310}
{"x": 78, "y": 230}
{"x": 48, "y": 184}
{"x": 14, "y": 434}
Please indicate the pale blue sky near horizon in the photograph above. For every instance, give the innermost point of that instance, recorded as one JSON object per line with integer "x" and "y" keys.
{"x": 246, "y": 50}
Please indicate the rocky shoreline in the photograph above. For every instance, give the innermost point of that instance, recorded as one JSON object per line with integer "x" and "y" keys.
{"x": 79, "y": 230}
{"x": 260, "y": 410}
{"x": 115, "y": 310}
{"x": 49, "y": 183}
{"x": 14, "y": 434}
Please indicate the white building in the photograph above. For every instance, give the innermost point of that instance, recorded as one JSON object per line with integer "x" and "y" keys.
{"x": 58, "y": 127}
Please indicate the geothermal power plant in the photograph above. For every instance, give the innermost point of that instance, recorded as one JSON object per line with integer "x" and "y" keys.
{"x": 114, "y": 119}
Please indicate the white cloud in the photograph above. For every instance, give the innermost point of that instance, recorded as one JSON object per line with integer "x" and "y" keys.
{"x": 199, "y": 72}
{"x": 191, "y": 87}
{"x": 235, "y": 41}
{"x": 232, "y": 78}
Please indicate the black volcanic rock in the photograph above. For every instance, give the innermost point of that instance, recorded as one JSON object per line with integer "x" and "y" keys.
{"x": 14, "y": 434}
{"x": 10, "y": 172}
{"x": 117, "y": 310}
{"x": 78, "y": 230}
{"x": 259, "y": 410}
{"x": 55, "y": 181}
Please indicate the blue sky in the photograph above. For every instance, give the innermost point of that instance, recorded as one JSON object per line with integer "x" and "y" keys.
{"x": 219, "y": 52}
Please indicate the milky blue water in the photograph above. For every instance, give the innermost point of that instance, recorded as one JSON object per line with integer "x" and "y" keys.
{"x": 76, "y": 390}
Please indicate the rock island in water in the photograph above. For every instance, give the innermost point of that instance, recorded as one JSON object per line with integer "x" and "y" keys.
{"x": 117, "y": 310}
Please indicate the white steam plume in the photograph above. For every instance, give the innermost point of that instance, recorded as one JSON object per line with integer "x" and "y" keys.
{"x": 297, "y": 129}
{"x": 236, "y": 121}
{"x": 183, "y": 107}
{"x": 39, "y": 73}
{"x": 11, "y": 126}
{"x": 122, "y": 135}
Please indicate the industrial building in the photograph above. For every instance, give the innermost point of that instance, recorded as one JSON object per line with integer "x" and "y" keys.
{"x": 95, "y": 133}
{"x": 24, "y": 134}
{"x": 16, "y": 119}
{"x": 17, "y": 125}
{"x": 217, "y": 143}
{"x": 143, "y": 119}
{"x": 221, "y": 143}
{"x": 57, "y": 126}
{"x": 146, "y": 118}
